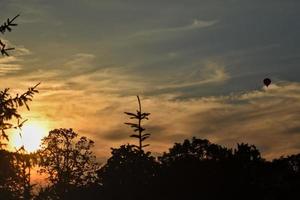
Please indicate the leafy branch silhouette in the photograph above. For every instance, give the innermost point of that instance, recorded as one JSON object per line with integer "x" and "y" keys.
{"x": 9, "y": 109}
{"x": 137, "y": 127}
{"x": 7, "y": 26}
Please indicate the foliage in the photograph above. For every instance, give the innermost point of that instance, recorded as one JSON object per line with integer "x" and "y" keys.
{"x": 68, "y": 161}
{"x": 15, "y": 174}
{"x": 246, "y": 153}
{"x": 24, "y": 162}
{"x": 195, "y": 168}
{"x": 212, "y": 170}
{"x": 200, "y": 169}
{"x": 130, "y": 170}
{"x": 8, "y": 176}
{"x": 15, "y": 167}
{"x": 197, "y": 149}
{"x": 7, "y": 26}
{"x": 9, "y": 105}
{"x": 9, "y": 109}
{"x": 137, "y": 127}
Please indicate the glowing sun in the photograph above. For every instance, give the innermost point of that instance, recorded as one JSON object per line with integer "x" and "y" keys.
{"x": 31, "y": 135}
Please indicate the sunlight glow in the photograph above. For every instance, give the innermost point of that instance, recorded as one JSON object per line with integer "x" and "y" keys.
{"x": 31, "y": 135}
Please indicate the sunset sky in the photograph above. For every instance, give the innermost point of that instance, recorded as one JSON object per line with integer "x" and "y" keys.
{"x": 198, "y": 66}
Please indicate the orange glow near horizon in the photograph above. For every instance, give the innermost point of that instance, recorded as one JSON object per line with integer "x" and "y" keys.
{"x": 31, "y": 135}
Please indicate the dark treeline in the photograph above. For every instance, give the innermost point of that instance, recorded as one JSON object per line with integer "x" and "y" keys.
{"x": 193, "y": 169}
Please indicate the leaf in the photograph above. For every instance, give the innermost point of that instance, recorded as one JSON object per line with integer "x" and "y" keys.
{"x": 144, "y": 138}
{"x": 146, "y": 135}
{"x": 131, "y": 124}
{"x": 135, "y": 136}
{"x": 27, "y": 106}
{"x": 131, "y": 114}
{"x": 22, "y": 123}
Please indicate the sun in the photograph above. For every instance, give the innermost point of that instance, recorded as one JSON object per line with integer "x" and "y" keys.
{"x": 29, "y": 136}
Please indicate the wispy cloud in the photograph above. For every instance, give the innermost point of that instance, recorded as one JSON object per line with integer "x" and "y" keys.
{"x": 196, "y": 24}
{"x": 267, "y": 117}
{"x": 12, "y": 63}
{"x": 9, "y": 65}
{"x": 8, "y": 68}
{"x": 212, "y": 73}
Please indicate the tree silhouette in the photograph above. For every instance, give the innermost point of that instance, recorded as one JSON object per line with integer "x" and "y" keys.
{"x": 246, "y": 153}
{"x": 24, "y": 162}
{"x": 196, "y": 149}
{"x": 15, "y": 175}
{"x": 283, "y": 178}
{"x": 8, "y": 176}
{"x": 68, "y": 161}
{"x": 137, "y": 127}
{"x": 130, "y": 172}
{"x": 192, "y": 168}
{"x": 9, "y": 110}
{"x": 15, "y": 166}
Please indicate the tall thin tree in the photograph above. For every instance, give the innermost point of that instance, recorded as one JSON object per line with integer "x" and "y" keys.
{"x": 137, "y": 127}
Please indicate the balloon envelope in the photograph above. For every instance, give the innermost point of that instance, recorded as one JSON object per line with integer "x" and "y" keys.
{"x": 267, "y": 81}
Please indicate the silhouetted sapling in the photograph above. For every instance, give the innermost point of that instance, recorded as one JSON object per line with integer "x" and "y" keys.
{"x": 137, "y": 127}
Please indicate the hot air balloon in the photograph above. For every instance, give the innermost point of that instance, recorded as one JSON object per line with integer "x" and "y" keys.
{"x": 267, "y": 81}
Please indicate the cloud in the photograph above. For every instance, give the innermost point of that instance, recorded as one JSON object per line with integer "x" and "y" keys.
{"x": 196, "y": 24}
{"x": 92, "y": 101}
{"x": 8, "y": 68}
{"x": 19, "y": 50}
{"x": 12, "y": 64}
{"x": 267, "y": 118}
{"x": 269, "y": 121}
{"x": 31, "y": 13}
{"x": 211, "y": 73}
{"x": 79, "y": 60}
{"x": 4, "y": 70}
{"x": 9, "y": 65}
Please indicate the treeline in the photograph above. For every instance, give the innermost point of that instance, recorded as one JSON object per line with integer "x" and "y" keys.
{"x": 193, "y": 169}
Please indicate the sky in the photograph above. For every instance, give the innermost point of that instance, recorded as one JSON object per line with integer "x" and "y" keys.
{"x": 197, "y": 65}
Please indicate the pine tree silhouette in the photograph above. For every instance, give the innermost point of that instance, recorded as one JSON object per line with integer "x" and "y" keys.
{"x": 137, "y": 127}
